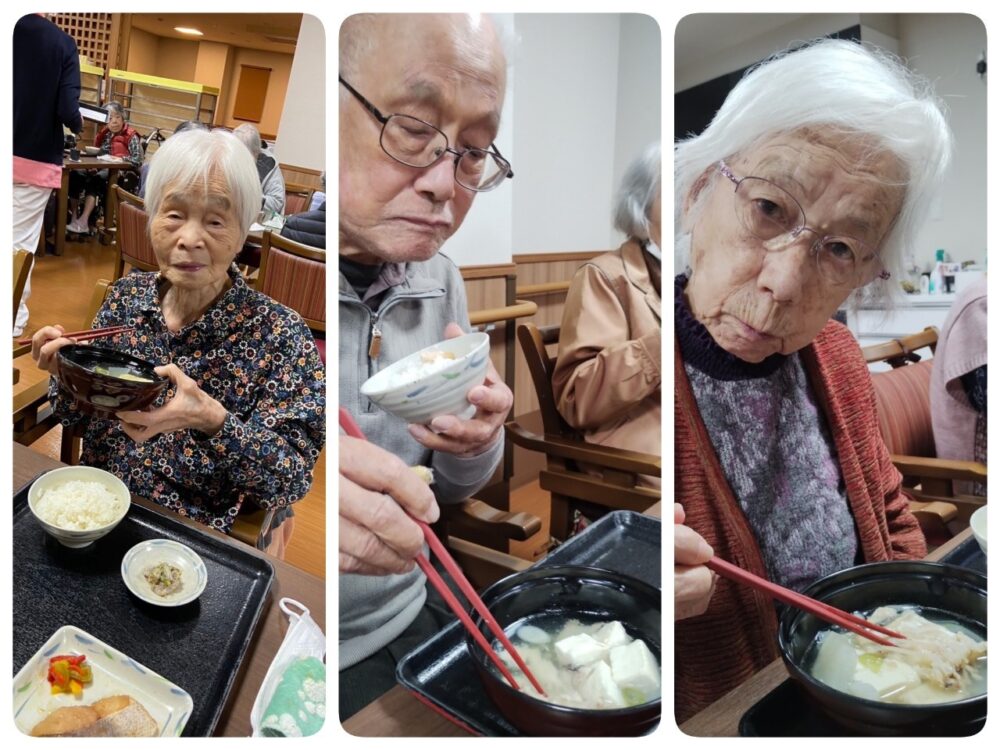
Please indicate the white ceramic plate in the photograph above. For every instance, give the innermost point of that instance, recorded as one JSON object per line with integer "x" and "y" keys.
{"x": 113, "y": 674}
{"x": 151, "y": 552}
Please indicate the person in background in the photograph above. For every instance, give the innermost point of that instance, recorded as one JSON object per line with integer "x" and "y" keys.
{"x": 46, "y": 98}
{"x": 407, "y": 180}
{"x": 116, "y": 138}
{"x": 272, "y": 183}
{"x": 243, "y": 421}
{"x": 186, "y": 125}
{"x": 800, "y": 196}
{"x": 308, "y": 227}
{"x": 958, "y": 383}
{"x": 607, "y": 374}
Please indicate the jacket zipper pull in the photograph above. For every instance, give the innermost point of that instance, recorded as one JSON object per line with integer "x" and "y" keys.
{"x": 376, "y": 346}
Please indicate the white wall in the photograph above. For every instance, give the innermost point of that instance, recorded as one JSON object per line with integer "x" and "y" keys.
{"x": 301, "y": 137}
{"x": 583, "y": 99}
{"x": 942, "y": 47}
{"x": 485, "y": 236}
{"x": 639, "y": 93}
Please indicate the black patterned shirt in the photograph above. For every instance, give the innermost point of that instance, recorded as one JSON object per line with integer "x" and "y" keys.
{"x": 251, "y": 354}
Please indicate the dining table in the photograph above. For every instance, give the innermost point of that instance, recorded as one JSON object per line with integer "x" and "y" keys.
{"x": 722, "y": 718}
{"x": 400, "y": 713}
{"x": 86, "y": 162}
{"x": 289, "y": 581}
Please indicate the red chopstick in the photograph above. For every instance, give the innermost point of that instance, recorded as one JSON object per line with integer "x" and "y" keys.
{"x": 817, "y": 608}
{"x": 349, "y": 426}
{"x": 88, "y": 334}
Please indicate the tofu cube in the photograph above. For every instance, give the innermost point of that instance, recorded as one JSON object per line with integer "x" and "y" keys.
{"x": 598, "y": 688}
{"x": 612, "y": 634}
{"x": 634, "y": 666}
{"x": 891, "y": 676}
{"x": 579, "y": 650}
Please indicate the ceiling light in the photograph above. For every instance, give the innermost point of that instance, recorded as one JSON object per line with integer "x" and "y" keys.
{"x": 186, "y": 30}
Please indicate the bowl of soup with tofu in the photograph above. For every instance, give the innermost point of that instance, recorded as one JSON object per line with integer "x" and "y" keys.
{"x": 930, "y": 682}
{"x": 105, "y": 381}
{"x": 590, "y": 637}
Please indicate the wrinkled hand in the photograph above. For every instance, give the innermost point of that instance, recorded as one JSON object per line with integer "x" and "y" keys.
{"x": 45, "y": 344}
{"x": 190, "y": 409}
{"x": 377, "y": 490}
{"x": 470, "y": 437}
{"x": 693, "y": 582}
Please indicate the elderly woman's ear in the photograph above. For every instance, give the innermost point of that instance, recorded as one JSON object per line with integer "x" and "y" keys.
{"x": 687, "y": 217}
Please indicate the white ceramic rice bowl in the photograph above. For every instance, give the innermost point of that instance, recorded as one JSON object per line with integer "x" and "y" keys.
{"x": 56, "y": 477}
{"x": 440, "y": 393}
{"x": 978, "y": 525}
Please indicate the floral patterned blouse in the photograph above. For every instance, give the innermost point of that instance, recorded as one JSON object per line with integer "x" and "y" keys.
{"x": 248, "y": 352}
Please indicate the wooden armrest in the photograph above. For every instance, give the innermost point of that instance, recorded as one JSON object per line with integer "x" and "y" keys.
{"x": 577, "y": 450}
{"x": 30, "y": 399}
{"x": 33, "y": 415}
{"x": 20, "y": 351}
{"x": 940, "y": 468}
{"x": 941, "y": 510}
{"x": 483, "y": 566}
{"x": 479, "y": 516}
{"x": 249, "y": 527}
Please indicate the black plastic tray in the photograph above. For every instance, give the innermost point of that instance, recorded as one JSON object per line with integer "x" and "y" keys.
{"x": 440, "y": 669}
{"x": 197, "y": 646}
{"x": 967, "y": 555}
{"x": 788, "y": 711}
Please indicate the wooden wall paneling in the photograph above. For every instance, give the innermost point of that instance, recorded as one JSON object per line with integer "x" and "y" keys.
{"x": 302, "y": 176}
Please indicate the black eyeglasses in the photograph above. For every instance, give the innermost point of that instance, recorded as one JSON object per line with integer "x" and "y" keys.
{"x": 416, "y": 143}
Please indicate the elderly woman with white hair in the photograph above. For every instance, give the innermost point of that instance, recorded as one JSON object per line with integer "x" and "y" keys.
{"x": 272, "y": 182}
{"x": 117, "y": 138}
{"x": 244, "y": 419}
{"x": 607, "y": 375}
{"x": 799, "y": 197}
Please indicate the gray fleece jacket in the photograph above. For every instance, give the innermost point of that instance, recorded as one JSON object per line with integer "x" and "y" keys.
{"x": 422, "y": 299}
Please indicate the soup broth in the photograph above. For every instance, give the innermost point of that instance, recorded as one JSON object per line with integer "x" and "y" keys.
{"x": 583, "y": 664}
{"x": 123, "y": 373}
{"x": 940, "y": 660}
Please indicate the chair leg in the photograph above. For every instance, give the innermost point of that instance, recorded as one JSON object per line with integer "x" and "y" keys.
{"x": 562, "y": 519}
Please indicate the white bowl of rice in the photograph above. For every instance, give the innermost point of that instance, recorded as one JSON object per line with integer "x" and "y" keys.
{"x": 434, "y": 381}
{"x": 78, "y": 504}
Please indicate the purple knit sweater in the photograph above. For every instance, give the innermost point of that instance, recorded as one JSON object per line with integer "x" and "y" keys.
{"x": 776, "y": 452}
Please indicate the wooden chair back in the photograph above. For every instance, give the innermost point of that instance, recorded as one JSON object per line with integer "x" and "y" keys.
{"x": 294, "y": 275}
{"x": 578, "y": 475}
{"x": 23, "y": 261}
{"x": 903, "y": 351}
{"x": 297, "y": 198}
{"x": 535, "y": 344}
{"x": 132, "y": 235}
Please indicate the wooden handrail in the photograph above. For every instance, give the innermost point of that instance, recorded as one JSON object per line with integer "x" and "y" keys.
{"x": 520, "y": 309}
{"x": 535, "y": 290}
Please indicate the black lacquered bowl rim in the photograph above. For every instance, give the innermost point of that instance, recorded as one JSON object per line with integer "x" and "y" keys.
{"x": 864, "y": 574}
{"x": 577, "y": 572}
{"x": 67, "y": 353}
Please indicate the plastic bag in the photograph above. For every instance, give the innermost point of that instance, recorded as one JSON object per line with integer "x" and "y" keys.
{"x": 292, "y": 700}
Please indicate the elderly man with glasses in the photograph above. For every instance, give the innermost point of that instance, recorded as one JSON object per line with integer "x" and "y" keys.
{"x": 420, "y": 101}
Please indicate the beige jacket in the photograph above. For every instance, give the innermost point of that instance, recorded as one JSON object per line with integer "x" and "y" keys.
{"x": 607, "y": 376}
